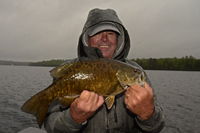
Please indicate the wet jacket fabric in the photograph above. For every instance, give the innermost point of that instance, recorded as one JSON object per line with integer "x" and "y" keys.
{"x": 118, "y": 119}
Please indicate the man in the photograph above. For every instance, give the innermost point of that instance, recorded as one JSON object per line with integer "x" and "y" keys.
{"x": 136, "y": 110}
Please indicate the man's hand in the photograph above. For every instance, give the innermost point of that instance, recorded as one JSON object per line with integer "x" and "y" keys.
{"x": 85, "y": 106}
{"x": 139, "y": 100}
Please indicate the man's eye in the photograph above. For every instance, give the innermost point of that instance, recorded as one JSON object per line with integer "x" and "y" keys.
{"x": 111, "y": 33}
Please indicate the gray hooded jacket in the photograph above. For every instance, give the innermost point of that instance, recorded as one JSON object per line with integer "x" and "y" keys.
{"x": 118, "y": 119}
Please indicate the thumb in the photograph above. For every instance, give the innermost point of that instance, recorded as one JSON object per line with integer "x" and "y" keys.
{"x": 146, "y": 85}
{"x": 100, "y": 101}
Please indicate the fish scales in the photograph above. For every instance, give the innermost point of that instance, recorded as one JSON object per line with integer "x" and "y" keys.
{"x": 105, "y": 77}
{"x": 87, "y": 76}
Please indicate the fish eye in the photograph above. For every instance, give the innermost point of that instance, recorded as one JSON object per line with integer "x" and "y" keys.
{"x": 135, "y": 70}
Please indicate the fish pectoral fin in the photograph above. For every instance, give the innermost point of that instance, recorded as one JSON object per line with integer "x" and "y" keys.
{"x": 109, "y": 101}
{"x": 67, "y": 100}
{"x": 112, "y": 89}
{"x": 121, "y": 76}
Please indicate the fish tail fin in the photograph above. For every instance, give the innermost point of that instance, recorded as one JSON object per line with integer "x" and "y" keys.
{"x": 36, "y": 107}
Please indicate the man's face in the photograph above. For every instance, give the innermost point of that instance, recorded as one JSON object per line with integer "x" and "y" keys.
{"x": 106, "y": 41}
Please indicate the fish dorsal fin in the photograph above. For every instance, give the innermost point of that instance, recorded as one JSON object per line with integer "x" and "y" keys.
{"x": 109, "y": 101}
{"x": 57, "y": 72}
{"x": 112, "y": 89}
{"x": 67, "y": 100}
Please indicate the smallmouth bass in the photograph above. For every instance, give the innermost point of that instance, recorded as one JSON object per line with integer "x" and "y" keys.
{"x": 106, "y": 77}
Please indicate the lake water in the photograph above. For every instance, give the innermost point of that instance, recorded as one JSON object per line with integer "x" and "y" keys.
{"x": 178, "y": 91}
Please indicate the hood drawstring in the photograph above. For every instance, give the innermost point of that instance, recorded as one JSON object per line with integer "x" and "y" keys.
{"x": 115, "y": 113}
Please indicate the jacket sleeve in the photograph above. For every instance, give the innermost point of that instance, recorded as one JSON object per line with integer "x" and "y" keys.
{"x": 58, "y": 120}
{"x": 156, "y": 122}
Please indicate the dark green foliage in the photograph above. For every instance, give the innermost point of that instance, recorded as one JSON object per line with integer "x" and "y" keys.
{"x": 187, "y": 63}
{"x": 50, "y": 63}
{"x": 15, "y": 63}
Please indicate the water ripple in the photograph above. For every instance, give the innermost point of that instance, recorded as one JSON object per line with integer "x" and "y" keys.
{"x": 179, "y": 93}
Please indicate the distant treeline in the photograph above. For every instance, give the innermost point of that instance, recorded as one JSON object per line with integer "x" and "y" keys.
{"x": 15, "y": 63}
{"x": 187, "y": 63}
{"x": 50, "y": 63}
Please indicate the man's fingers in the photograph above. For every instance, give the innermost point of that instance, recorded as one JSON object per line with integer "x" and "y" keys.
{"x": 93, "y": 98}
{"x": 85, "y": 96}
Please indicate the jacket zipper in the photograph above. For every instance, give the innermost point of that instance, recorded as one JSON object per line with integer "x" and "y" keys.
{"x": 106, "y": 121}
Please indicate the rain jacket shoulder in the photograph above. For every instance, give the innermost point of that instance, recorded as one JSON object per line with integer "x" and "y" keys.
{"x": 118, "y": 119}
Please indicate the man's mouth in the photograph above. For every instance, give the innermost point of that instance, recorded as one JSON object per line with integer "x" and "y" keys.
{"x": 103, "y": 46}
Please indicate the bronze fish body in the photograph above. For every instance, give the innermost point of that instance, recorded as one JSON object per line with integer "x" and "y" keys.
{"x": 105, "y": 77}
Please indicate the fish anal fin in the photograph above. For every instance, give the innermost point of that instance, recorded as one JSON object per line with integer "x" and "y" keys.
{"x": 109, "y": 101}
{"x": 67, "y": 100}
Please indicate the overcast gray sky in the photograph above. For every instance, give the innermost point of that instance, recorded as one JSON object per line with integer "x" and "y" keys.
{"x": 36, "y": 30}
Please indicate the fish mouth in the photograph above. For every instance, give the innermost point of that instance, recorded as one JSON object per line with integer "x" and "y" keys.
{"x": 141, "y": 81}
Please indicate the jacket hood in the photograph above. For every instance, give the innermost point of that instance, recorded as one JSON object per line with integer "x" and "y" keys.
{"x": 97, "y": 16}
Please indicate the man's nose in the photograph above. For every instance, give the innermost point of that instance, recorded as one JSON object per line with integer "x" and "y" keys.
{"x": 104, "y": 36}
